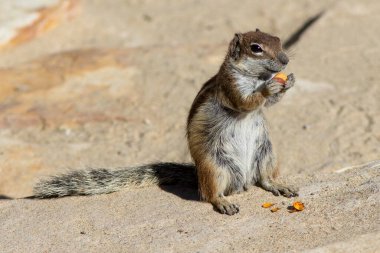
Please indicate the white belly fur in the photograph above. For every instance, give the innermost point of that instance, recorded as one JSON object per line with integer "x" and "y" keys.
{"x": 242, "y": 145}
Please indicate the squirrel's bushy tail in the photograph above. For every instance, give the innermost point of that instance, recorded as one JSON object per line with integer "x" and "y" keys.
{"x": 100, "y": 181}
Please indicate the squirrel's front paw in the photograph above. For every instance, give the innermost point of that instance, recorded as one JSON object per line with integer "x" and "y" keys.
{"x": 289, "y": 82}
{"x": 272, "y": 87}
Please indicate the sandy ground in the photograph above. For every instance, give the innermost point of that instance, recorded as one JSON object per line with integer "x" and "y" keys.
{"x": 112, "y": 85}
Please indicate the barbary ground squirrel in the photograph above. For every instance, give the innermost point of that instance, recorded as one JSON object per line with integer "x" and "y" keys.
{"x": 226, "y": 132}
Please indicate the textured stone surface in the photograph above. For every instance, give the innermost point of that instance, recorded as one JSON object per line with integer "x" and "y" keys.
{"x": 112, "y": 87}
{"x": 23, "y": 20}
{"x": 339, "y": 209}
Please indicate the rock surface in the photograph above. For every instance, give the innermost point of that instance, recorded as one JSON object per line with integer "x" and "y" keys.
{"x": 341, "y": 211}
{"x": 112, "y": 87}
{"x": 23, "y": 20}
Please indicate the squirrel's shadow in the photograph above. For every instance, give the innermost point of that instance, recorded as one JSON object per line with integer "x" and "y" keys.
{"x": 184, "y": 192}
{"x": 4, "y": 197}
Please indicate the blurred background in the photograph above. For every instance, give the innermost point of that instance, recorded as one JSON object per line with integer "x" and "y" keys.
{"x": 109, "y": 83}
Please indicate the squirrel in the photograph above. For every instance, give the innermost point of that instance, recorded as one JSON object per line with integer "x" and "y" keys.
{"x": 226, "y": 132}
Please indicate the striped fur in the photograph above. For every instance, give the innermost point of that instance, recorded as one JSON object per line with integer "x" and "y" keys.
{"x": 100, "y": 181}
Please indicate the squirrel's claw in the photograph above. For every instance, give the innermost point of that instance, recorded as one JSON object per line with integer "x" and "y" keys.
{"x": 289, "y": 82}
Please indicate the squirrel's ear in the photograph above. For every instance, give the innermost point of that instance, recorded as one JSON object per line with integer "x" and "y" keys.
{"x": 258, "y": 30}
{"x": 235, "y": 46}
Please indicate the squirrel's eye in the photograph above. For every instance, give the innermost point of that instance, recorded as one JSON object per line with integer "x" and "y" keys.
{"x": 256, "y": 49}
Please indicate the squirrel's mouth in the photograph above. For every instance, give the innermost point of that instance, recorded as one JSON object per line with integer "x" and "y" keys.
{"x": 273, "y": 70}
{"x": 274, "y": 67}
{"x": 269, "y": 72}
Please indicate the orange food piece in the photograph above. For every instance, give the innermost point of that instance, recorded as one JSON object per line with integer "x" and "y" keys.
{"x": 267, "y": 205}
{"x": 281, "y": 77}
{"x": 274, "y": 209}
{"x": 299, "y": 206}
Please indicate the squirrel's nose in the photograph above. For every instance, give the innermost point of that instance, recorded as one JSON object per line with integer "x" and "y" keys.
{"x": 281, "y": 56}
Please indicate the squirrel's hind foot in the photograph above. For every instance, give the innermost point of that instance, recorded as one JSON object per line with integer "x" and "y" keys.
{"x": 223, "y": 206}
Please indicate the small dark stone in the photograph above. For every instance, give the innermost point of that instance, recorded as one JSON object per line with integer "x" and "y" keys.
{"x": 147, "y": 18}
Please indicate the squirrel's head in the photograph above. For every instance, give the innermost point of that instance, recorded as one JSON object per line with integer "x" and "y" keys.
{"x": 257, "y": 54}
